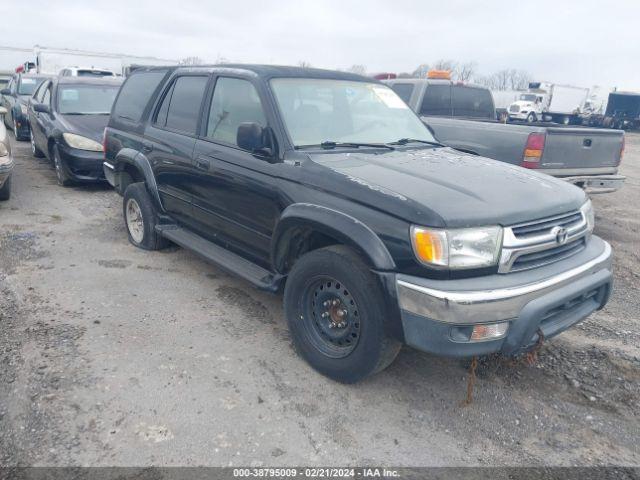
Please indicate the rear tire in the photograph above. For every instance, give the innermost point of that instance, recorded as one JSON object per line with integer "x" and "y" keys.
{"x": 336, "y": 311}
{"x": 5, "y": 191}
{"x": 141, "y": 218}
{"x": 35, "y": 151}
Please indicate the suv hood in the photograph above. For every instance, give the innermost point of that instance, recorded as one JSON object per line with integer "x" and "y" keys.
{"x": 441, "y": 187}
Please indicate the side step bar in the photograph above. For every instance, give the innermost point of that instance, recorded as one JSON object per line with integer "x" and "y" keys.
{"x": 229, "y": 261}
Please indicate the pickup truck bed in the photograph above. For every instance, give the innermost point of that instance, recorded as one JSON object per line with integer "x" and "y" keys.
{"x": 586, "y": 157}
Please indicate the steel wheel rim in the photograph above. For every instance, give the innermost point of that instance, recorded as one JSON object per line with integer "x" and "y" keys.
{"x": 135, "y": 224}
{"x": 331, "y": 317}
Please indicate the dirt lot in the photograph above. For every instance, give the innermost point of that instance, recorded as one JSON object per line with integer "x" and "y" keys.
{"x": 110, "y": 355}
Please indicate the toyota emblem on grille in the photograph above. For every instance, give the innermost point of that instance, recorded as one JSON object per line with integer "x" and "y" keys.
{"x": 561, "y": 234}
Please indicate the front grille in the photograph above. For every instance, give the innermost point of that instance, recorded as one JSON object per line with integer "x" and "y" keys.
{"x": 514, "y": 108}
{"x": 535, "y": 244}
{"x": 544, "y": 226}
{"x": 545, "y": 257}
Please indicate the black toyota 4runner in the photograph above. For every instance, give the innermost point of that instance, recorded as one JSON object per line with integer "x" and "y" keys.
{"x": 328, "y": 185}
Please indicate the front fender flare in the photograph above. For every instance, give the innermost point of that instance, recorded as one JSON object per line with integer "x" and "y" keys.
{"x": 338, "y": 225}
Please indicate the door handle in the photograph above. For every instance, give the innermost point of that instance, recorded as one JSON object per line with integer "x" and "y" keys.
{"x": 202, "y": 163}
{"x": 147, "y": 147}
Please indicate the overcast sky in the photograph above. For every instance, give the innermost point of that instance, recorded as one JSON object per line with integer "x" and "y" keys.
{"x": 582, "y": 42}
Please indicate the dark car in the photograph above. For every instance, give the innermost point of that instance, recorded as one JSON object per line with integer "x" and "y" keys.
{"x": 15, "y": 98}
{"x": 327, "y": 184}
{"x": 6, "y": 161}
{"x": 68, "y": 116}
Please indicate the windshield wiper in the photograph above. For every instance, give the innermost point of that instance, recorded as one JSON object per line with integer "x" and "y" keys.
{"x": 330, "y": 145}
{"x": 404, "y": 141}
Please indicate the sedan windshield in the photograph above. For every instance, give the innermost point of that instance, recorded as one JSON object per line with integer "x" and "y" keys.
{"x": 28, "y": 85}
{"x": 86, "y": 99}
{"x": 334, "y": 112}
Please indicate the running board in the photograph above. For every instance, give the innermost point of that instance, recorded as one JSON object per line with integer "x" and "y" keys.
{"x": 229, "y": 261}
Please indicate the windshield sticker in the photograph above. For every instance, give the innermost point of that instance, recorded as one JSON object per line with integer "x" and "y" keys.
{"x": 389, "y": 98}
{"x": 69, "y": 95}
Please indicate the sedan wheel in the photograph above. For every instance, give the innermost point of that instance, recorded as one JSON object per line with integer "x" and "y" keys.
{"x": 35, "y": 151}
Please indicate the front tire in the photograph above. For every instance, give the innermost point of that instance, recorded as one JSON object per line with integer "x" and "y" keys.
{"x": 15, "y": 131}
{"x": 61, "y": 173}
{"x": 141, "y": 218}
{"x": 532, "y": 118}
{"x": 35, "y": 151}
{"x": 5, "y": 191}
{"x": 335, "y": 309}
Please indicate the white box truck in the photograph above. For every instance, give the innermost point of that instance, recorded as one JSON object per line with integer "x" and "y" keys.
{"x": 550, "y": 102}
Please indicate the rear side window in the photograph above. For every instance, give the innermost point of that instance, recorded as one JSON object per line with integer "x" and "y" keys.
{"x": 135, "y": 94}
{"x": 180, "y": 107}
{"x": 471, "y": 102}
{"x": 436, "y": 101}
{"x": 404, "y": 90}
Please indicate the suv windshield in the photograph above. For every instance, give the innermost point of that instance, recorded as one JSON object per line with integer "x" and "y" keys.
{"x": 28, "y": 85}
{"x": 86, "y": 99}
{"x": 528, "y": 98}
{"x": 317, "y": 111}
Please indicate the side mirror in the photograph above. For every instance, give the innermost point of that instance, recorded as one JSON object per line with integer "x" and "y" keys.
{"x": 5, "y": 91}
{"x": 41, "y": 108}
{"x": 3, "y": 111}
{"x": 254, "y": 138}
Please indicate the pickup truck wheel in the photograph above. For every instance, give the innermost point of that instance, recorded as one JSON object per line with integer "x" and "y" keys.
{"x": 5, "y": 191}
{"x": 335, "y": 310}
{"x": 35, "y": 151}
{"x": 140, "y": 218}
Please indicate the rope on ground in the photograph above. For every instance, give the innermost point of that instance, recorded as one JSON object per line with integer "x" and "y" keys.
{"x": 471, "y": 381}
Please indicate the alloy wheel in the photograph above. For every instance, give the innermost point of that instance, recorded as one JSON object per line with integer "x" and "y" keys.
{"x": 135, "y": 223}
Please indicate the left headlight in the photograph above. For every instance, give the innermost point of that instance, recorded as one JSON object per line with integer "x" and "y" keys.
{"x": 461, "y": 248}
{"x": 589, "y": 215}
{"x": 81, "y": 143}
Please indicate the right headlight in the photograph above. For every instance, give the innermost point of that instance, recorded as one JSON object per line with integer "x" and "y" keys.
{"x": 589, "y": 215}
{"x": 81, "y": 143}
{"x": 460, "y": 248}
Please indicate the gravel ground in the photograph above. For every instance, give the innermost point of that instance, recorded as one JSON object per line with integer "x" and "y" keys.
{"x": 110, "y": 355}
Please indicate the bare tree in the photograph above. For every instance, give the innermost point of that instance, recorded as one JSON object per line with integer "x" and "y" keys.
{"x": 358, "y": 69}
{"x": 304, "y": 64}
{"x": 421, "y": 70}
{"x": 220, "y": 60}
{"x": 443, "y": 64}
{"x": 507, "y": 79}
{"x": 191, "y": 61}
{"x": 464, "y": 72}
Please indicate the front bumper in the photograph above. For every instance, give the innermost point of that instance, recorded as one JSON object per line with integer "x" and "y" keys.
{"x": 518, "y": 115}
{"x": 438, "y": 316}
{"x": 82, "y": 165}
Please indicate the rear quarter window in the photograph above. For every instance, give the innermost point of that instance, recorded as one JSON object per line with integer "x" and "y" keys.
{"x": 403, "y": 90}
{"x": 471, "y": 102}
{"x": 436, "y": 101}
{"x": 135, "y": 94}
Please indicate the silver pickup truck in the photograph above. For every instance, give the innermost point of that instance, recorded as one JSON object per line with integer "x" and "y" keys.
{"x": 463, "y": 117}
